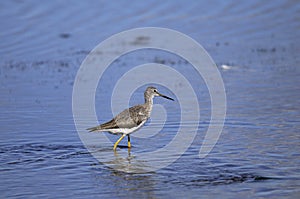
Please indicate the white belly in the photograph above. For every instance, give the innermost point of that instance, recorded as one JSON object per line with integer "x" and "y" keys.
{"x": 126, "y": 130}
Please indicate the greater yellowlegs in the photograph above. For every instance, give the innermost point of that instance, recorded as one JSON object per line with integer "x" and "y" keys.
{"x": 132, "y": 119}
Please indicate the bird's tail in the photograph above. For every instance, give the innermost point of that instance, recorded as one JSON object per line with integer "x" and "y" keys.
{"x": 93, "y": 129}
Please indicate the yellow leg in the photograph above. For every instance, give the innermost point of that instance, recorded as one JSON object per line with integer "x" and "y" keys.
{"x": 117, "y": 142}
{"x": 129, "y": 145}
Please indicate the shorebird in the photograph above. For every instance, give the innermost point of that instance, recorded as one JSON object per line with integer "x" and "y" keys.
{"x": 130, "y": 120}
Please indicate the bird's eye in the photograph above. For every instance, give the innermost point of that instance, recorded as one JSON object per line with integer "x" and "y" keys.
{"x": 155, "y": 90}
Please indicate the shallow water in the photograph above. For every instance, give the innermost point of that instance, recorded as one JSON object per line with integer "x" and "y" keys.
{"x": 257, "y": 155}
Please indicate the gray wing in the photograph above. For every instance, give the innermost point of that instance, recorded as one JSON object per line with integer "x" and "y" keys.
{"x": 108, "y": 125}
{"x": 131, "y": 117}
{"x": 128, "y": 118}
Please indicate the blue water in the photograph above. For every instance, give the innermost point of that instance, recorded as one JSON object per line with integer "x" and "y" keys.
{"x": 42, "y": 46}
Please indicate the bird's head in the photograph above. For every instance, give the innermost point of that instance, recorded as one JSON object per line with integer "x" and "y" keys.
{"x": 153, "y": 92}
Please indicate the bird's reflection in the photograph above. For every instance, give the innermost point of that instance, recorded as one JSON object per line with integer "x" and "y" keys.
{"x": 126, "y": 174}
{"x": 124, "y": 161}
{"x": 134, "y": 184}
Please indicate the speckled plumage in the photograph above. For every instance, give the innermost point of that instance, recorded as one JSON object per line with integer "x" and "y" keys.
{"x": 132, "y": 119}
{"x": 128, "y": 118}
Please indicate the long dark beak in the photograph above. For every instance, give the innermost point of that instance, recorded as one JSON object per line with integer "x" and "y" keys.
{"x": 165, "y": 97}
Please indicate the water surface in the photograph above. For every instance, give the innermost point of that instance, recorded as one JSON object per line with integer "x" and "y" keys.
{"x": 42, "y": 47}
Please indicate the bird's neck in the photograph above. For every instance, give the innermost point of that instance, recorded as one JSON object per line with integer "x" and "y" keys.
{"x": 149, "y": 103}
